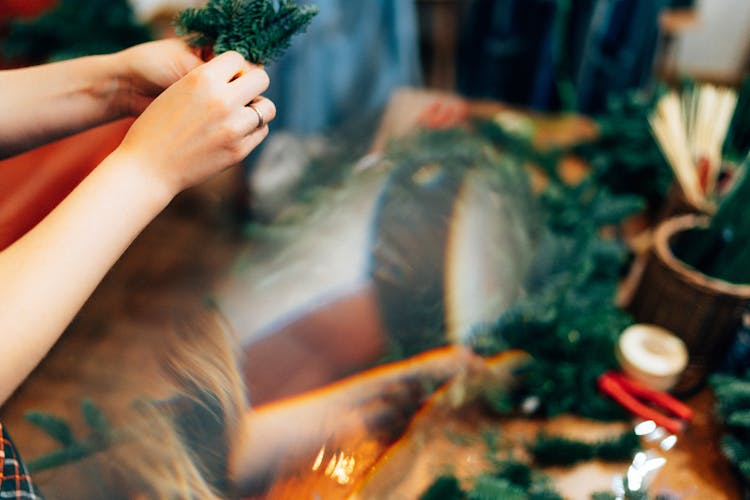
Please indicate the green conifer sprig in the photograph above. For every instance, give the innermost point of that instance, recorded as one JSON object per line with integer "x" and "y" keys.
{"x": 260, "y": 30}
{"x": 733, "y": 407}
{"x": 72, "y": 449}
{"x": 491, "y": 487}
{"x": 444, "y": 488}
{"x": 559, "y": 450}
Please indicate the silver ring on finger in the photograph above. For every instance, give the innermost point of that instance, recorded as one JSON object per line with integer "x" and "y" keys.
{"x": 261, "y": 119}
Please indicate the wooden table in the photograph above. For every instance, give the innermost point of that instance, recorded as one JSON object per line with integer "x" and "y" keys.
{"x": 108, "y": 352}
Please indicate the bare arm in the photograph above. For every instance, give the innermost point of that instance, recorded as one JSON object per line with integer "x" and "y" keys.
{"x": 43, "y": 103}
{"x": 197, "y": 127}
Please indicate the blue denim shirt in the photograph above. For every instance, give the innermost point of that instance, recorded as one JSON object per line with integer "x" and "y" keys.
{"x": 352, "y": 56}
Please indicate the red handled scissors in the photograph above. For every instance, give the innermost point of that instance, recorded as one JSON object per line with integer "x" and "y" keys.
{"x": 631, "y": 394}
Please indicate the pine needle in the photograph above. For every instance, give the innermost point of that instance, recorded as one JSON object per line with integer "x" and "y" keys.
{"x": 258, "y": 29}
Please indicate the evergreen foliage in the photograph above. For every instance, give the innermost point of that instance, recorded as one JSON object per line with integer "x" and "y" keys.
{"x": 100, "y": 437}
{"x": 492, "y": 487}
{"x": 740, "y": 418}
{"x": 514, "y": 479}
{"x": 558, "y": 450}
{"x": 508, "y": 478}
{"x": 737, "y": 143}
{"x": 603, "y": 495}
{"x": 75, "y": 28}
{"x": 518, "y": 473}
{"x": 733, "y": 407}
{"x": 511, "y": 480}
{"x": 568, "y": 320}
{"x": 258, "y": 29}
{"x": 624, "y": 157}
{"x": 57, "y": 428}
{"x": 444, "y": 488}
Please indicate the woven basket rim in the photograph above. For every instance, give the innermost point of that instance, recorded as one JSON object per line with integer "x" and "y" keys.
{"x": 662, "y": 237}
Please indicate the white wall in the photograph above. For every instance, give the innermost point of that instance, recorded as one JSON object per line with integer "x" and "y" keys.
{"x": 147, "y": 9}
{"x": 719, "y": 45}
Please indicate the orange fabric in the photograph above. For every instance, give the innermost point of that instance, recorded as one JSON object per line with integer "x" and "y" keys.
{"x": 33, "y": 183}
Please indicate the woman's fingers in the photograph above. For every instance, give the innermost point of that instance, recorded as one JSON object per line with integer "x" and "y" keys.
{"x": 260, "y": 112}
{"x": 252, "y": 140}
{"x": 244, "y": 81}
{"x": 203, "y": 123}
{"x": 250, "y": 84}
{"x": 227, "y": 66}
{"x": 246, "y": 121}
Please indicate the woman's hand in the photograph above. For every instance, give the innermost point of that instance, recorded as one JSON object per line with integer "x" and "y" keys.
{"x": 43, "y": 103}
{"x": 201, "y": 124}
{"x": 146, "y": 70}
{"x": 197, "y": 126}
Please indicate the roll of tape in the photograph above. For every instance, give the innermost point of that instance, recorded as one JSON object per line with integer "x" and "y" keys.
{"x": 652, "y": 355}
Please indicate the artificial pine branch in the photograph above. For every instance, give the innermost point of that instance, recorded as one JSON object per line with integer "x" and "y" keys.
{"x": 568, "y": 320}
{"x": 509, "y": 479}
{"x": 603, "y": 495}
{"x": 518, "y": 481}
{"x": 558, "y": 450}
{"x": 444, "y": 488}
{"x": 95, "y": 418}
{"x": 740, "y": 418}
{"x": 732, "y": 393}
{"x": 733, "y": 407}
{"x": 624, "y": 156}
{"x": 72, "y": 449}
{"x": 258, "y": 29}
{"x": 491, "y": 487}
{"x": 737, "y": 143}
{"x": 57, "y": 428}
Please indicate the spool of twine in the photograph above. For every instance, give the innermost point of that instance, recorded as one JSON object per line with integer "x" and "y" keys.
{"x": 704, "y": 312}
{"x": 651, "y": 355}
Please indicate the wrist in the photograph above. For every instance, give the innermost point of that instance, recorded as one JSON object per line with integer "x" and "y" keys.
{"x": 120, "y": 85}
{"x": 143, "y": 177}
{"x": 109, "y": 84}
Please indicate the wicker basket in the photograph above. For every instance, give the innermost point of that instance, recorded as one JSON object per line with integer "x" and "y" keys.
{"x": 677, "y": 203}
{"x": 705, "y": 312}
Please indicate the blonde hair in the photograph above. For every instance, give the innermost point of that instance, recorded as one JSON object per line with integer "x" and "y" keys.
{"x": 178, "y": 448}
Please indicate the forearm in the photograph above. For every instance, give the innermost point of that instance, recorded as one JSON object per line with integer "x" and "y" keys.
{"x": 48, "y": 274}
{"x": 197, "y": 127}
{"x": 43, "y": 103}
